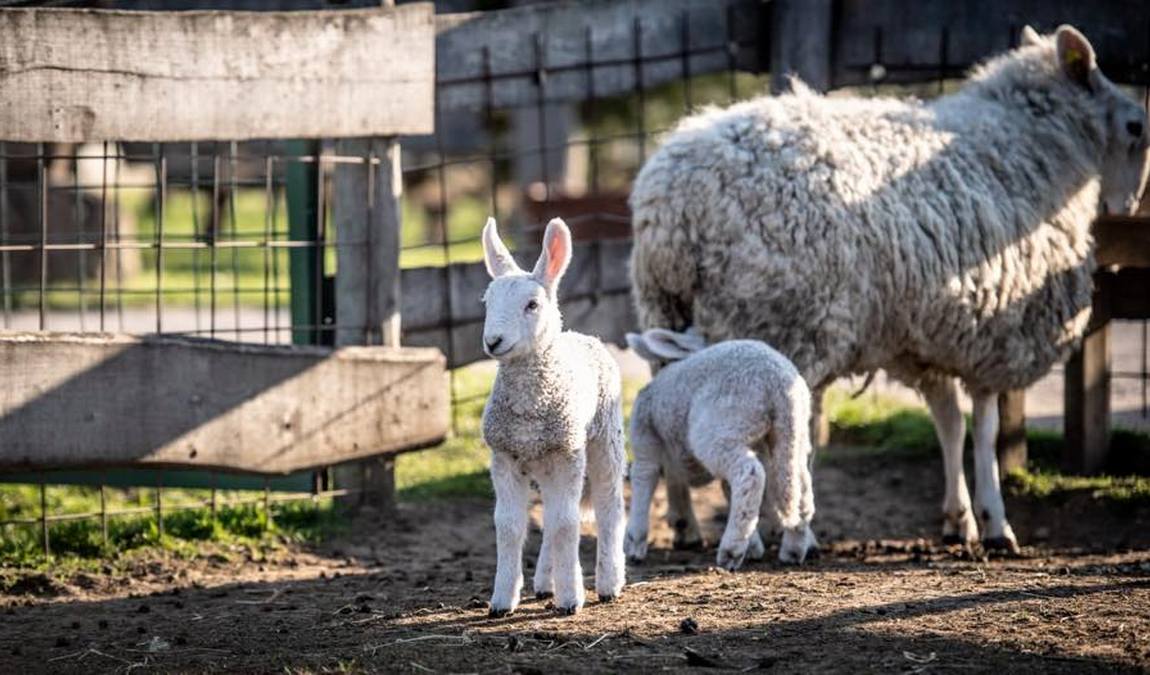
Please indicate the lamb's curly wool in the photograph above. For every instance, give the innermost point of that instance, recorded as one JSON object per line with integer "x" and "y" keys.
{"x": 741, "y": 410}
{"x": 934, "y": 240}
{"x": 554, "y": 417}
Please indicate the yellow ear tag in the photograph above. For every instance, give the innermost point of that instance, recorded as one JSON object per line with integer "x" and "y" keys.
{"x": 1072, "y": 56}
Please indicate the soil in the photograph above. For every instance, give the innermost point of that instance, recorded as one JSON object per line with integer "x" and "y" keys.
{"x": 408, "y": 593}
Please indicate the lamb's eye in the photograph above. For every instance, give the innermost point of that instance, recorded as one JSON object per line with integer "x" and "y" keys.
{"x": 532, "y": 305}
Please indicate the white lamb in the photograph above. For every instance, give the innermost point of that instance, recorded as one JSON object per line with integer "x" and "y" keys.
{"x": 941, "y": 241}
{"x": 554, "y": 417}
{"x": 742, "y": 411}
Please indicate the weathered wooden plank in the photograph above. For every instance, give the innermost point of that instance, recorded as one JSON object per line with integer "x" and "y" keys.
{"x": 1011, "y": 442}
{"x": 365, "y": 209}
{"x": 72, "y": 400}
{"x": 594, "y": 295}
{"x": 88, "y": 75}
{"x": 1086, "y": 403}
{"x": 906, "y": 37}
{"x": 559, "y": 40}
{"x": 800, "y": 43}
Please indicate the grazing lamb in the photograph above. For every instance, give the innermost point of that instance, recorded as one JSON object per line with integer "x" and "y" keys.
{"x": 940, "y": 241}
{"x": 742, "y": 411}
{"x": 554, "y": 417}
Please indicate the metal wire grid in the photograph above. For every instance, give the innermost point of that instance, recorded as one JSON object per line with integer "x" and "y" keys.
{"x": 104, "y": 300}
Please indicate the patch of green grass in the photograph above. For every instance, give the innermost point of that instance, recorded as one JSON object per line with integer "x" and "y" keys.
{"x": 1042, "y": 484}
{"x": 878, "y": 424}
{"x": 75, "y": 543}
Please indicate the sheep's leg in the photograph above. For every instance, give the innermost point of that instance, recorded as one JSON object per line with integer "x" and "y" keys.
{"x": 745, "y": 474}
{"x": 512, "y": 492}
{"x": 680, "y": 513}
{"x": 996, "y": 532}
{"x": 644, "y": 478}
{"x": 942, "y": 398}
{"x": 543, "y": 585}
{"x": 606, "y": 464}
{"x": 561, "y": 485}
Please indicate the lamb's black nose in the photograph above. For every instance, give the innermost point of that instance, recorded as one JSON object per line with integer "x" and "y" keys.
{"x": 492, "y": 345}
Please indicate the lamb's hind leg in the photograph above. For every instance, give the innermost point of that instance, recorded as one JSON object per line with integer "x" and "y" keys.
{"x": 745, "y": 474}
{"x": 942, "y": 399}
{"x": 996, "y": 532}
{"x": 606, "y": 464}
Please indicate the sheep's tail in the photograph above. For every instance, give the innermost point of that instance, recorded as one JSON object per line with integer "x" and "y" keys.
{"x": 789, "y": 475}
{"x": 663, "y": 274}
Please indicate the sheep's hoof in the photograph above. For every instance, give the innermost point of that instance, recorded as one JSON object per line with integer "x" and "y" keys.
{"x": 952, "y": 540}
{"x": 814, "y": 552}
{"x": 607, "y": 598}
{"x": 1001, "y": 545}
{"x": 567, "y": 611}
{"x": 499, "y": 613}
{"x": 544, "y": 595}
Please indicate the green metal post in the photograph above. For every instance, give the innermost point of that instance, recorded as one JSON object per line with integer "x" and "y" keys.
{"x": 305, "y": 262}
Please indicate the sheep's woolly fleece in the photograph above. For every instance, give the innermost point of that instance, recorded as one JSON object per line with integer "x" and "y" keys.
{"x": 948, "y": 238}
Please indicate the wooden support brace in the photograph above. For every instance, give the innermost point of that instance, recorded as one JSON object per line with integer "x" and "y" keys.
{"x": 1087, "y": 403}
{"x": 1011, "y": 442}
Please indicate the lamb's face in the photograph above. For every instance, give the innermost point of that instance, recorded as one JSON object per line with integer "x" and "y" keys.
{"x": 1127, "y": 159}
{"x": 520, "y": 317}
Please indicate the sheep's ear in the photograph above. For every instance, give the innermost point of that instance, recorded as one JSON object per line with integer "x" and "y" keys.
{"x": 669, "y": 345}
{"x": 495, "y": 255}
{"x": 556, "y": 255}
{"x": 639, "y": 346}
{"x": 1029, "y": 37}
{"x": 1075, "y": 55}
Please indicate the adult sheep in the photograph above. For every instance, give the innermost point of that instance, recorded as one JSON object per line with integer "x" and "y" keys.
{"x": 940, "y": 241}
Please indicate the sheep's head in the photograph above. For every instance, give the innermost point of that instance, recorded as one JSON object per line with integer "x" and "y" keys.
{"x": 523, "y": 308}
{"x": 1126, "y": 159}
{"x": 659, "y": 346}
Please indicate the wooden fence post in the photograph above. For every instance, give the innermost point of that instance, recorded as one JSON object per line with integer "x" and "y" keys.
{"x": 801, "y": 43}
{"x": 367, "y": 223}
{"x": 1011, "y": 442}
{"x": 1086, "y": 402}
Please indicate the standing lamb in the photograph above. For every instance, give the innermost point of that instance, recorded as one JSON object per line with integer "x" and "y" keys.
{"x": 941, "y": 241}
{"x": 741, "y": 410}
{"x": 554, "y": 417}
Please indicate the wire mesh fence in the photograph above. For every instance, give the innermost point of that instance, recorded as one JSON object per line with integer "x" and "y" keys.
{"x": 237, "y": 241}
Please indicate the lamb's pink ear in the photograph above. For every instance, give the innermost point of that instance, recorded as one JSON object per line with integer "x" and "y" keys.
{"x": 639, "y": 346}
{"x": 668, "y": 345}
{"x": 495, "y": 255}
{"x": 1075, "y": 55}
{"x": 556, "y": 255}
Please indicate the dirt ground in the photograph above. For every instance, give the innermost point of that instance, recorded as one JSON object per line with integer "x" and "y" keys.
{"x": 409, "y": 595}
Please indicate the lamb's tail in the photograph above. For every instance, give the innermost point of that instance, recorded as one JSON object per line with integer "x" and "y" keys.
{"x": 789, "y": 476}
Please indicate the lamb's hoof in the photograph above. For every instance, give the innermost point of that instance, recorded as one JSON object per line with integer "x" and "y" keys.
{"x": 951, "y": 540}
{"x": 814, "y": 552}
{"x": 499, "y": 613}
{"x": 544, "y": 595}
{"x": 607, "y": 598}
{"x": 567, "y": 611}
{"x": 1001, "y": 545}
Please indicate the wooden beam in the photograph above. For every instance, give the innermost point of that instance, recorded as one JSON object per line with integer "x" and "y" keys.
{"x": 87, "y": 400}
{"x": 801, "y": 43}
{"x": 544, "y": 51}
{"x": 1011, "y": 442}
{"x": 77, "y": 75}
{"x": 1086, "y": 403}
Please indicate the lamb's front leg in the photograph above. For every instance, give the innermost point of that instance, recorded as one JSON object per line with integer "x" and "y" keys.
{"x": 680, "y": 512}
{"x": 561, "y": 485}
{"x": 606, "y": 464}
{"x": 512, "y": 492}
{"x": 543, "y": 585}
{"x": 996, "y": 532}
